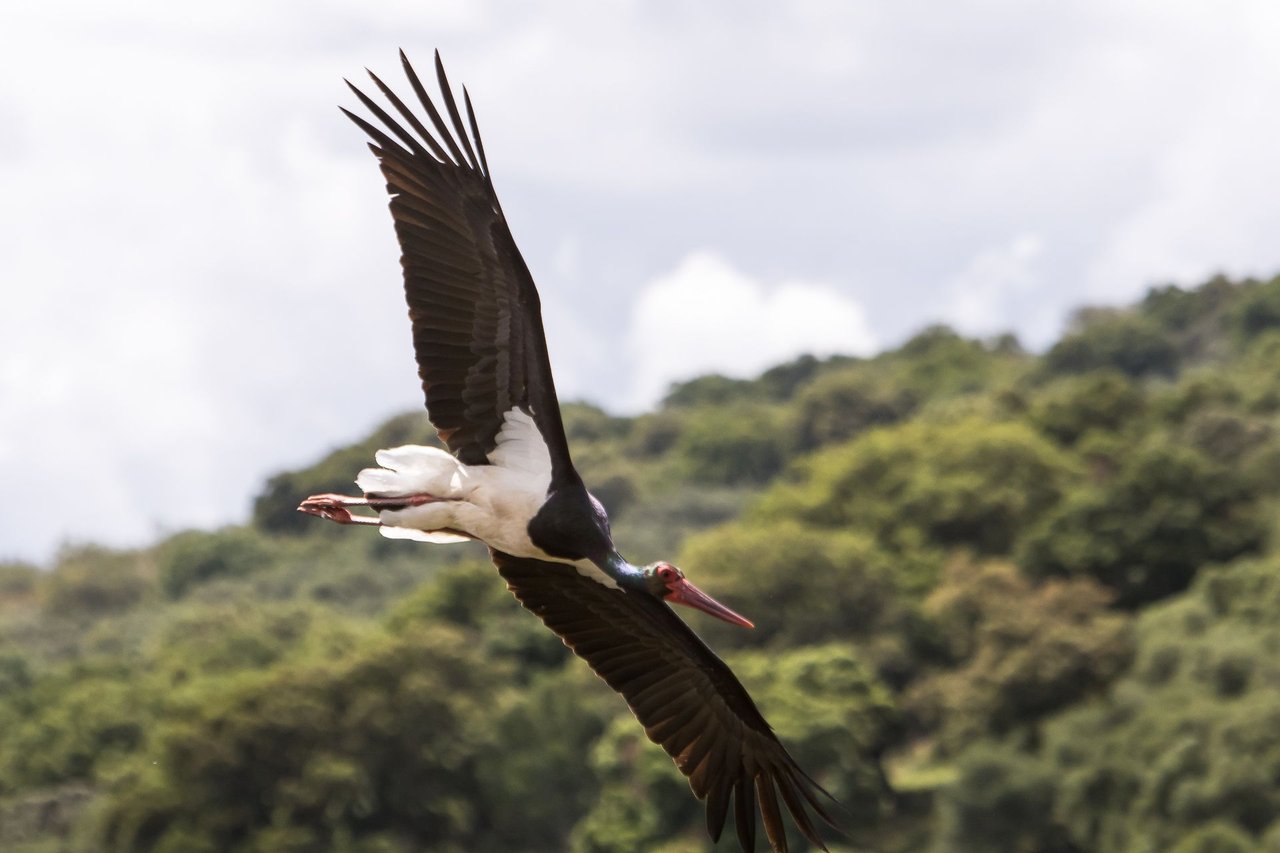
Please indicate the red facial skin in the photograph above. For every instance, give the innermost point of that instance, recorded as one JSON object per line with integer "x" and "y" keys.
{"x": 681, "y": 591}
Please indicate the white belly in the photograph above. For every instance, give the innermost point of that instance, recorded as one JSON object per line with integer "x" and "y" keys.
{"x": 490, "y": 504}
{"x": 498, "y": 508}
{"x": 485, "y": 502}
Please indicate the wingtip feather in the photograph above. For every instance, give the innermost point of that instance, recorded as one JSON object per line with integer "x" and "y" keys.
{"x": 786, "y": 786}
{"x": 744, "y": 812}
{"x": 717, "y": 809}
{"x": 451, "y": 106}
{"x": 769, "y": 812}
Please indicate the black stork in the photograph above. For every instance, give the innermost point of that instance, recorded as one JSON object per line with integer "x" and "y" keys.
{"x": 508, "y": 480}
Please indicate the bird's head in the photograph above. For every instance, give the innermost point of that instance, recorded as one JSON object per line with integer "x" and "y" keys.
{"x": 667, "y": 582}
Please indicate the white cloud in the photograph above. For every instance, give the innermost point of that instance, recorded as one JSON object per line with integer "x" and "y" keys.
{"x": 983, "y": 295}
{"x": 705, "y": 316}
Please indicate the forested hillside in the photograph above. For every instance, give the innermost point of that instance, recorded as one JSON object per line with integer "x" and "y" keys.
{"x": 1005, "y": 602}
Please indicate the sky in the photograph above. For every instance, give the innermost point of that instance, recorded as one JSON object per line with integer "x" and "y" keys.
{"x": 200, "y": 282}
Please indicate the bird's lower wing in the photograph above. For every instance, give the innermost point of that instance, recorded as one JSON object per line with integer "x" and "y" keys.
{"x": 689, "y": 702}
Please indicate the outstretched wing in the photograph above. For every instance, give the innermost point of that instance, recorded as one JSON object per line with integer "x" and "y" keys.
{"x": 689, "y": 702}
{"x": 477, "y": 323}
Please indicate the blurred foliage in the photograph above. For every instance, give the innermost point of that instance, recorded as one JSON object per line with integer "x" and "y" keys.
{"x": 17, "y": 581}
{"x": 1114, "y": 340}
{"x": 1146, "y": 529}
{"x": 196, "y": 557}
{"x": 1015, "y": 651}
{"x": 379, "y": 744}
{"x": 972, "y": 484}
{"x": 804, "y": 586}
{"x": 1181, "y": 753}
{"x": 1258, "y": 309}
{"x": 732, "y": 446}
{"x": 471, "y": 596}
{"x": 841, "y": 404}
{"x": 1003, "y": 602}
{"x": 92, "y": 580}
{"x": 1104, "y": 401}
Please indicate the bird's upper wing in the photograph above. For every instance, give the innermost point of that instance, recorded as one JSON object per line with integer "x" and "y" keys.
{"x": 477, "y": 324}
{"x": 689, "y": 702}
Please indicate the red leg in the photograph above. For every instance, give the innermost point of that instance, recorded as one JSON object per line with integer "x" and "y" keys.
{"x": 335, "y": 507}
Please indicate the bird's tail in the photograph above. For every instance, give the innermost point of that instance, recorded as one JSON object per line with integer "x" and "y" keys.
{"x": 416, "y": 472}
{"x": 412, "y": 470}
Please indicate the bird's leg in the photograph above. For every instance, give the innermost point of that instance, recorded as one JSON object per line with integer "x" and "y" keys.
{"x": 336, "y": 507}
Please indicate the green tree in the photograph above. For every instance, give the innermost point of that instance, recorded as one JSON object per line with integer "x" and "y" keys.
{"x": 67, "y": 724}
{"x": 1180, "y": 751}
{"x": 196, "y": 557}
{"x": 1018, "y": 651}
{"x": 1117, "y": 340}
{"x": 732, "y": 446}
{"x": 707, "y": 391}
{"x": 1258, "y": 309}
{"x": 937, "y": 362}
{"x": 536, "y": 773}
{"x": 967, "y": 484}
{"x": 319, "y": 755}
{"x": 1100, "y": 401}
{"x": 1145, "y": 531}
{"x": 1217, "y": 837}
{"x": 802, "y": 586}
{"x": 18, "y": 581}
{"x": 840, "y": 404}
{"x": 472, "y": 597}
{"x": 93, "y": 581}
{"x": 1003, "y": 800}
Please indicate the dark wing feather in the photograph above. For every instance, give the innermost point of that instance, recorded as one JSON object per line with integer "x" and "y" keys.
{"x": 477, "y": 321}
{"x": 689, "y": 702}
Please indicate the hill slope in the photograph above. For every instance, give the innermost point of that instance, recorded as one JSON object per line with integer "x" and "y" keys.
{"x": 1005, "y": 601}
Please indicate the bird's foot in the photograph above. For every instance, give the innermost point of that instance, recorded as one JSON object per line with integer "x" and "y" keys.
{"x": 336, "y": 509}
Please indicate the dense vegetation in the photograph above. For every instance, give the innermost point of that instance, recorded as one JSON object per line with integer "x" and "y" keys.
{"x": 1004, "y": 602}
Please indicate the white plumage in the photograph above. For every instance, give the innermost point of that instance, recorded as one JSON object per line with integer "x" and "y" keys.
{"x": 520, "y": 447}
{"x": 492, "y": 503}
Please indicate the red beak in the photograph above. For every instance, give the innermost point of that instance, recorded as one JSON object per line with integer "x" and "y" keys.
{"x": 683, "y": 592}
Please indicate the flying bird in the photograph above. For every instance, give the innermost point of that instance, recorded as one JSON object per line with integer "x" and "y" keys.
{"x": 508, "y": 481}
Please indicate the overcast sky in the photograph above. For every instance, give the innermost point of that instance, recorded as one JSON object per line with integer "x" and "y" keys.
{"x": 200, "y": 279}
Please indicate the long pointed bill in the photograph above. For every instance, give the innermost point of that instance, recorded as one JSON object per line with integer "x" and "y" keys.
{"x": 689, "y": 595}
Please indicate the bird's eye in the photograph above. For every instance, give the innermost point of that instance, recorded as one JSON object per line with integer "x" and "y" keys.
{"x": 667, "y": 573}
